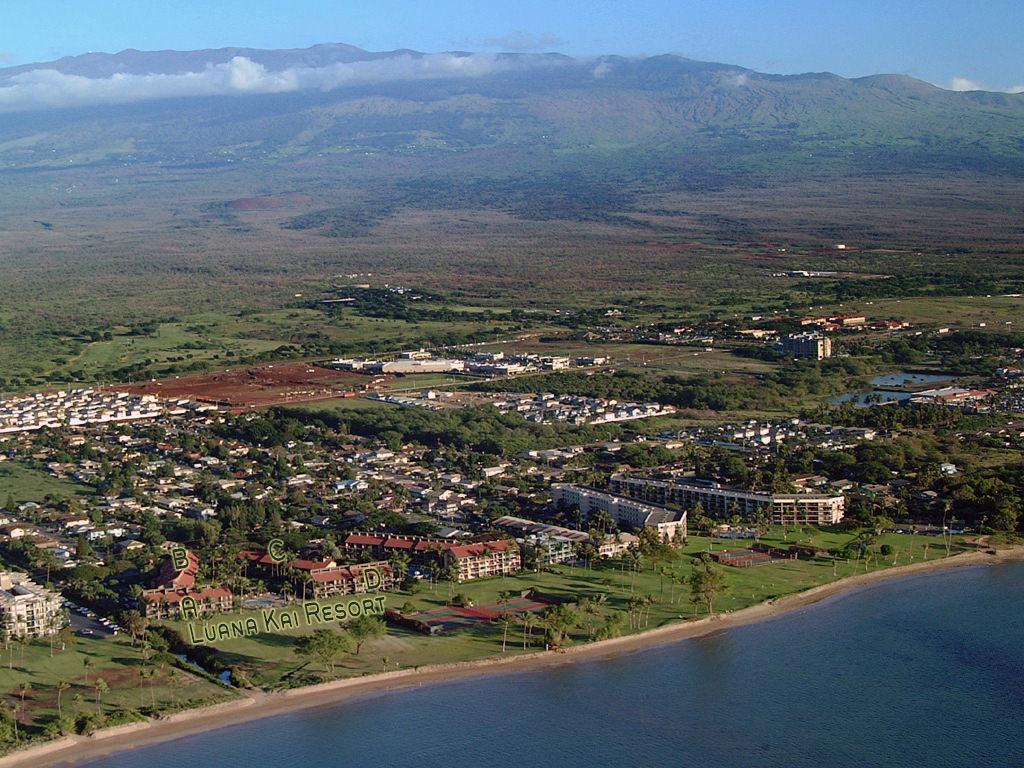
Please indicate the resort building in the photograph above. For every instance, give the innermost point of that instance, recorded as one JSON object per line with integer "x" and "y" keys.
{"x": 720, "y": 501}
{"x": 485, "y": 558}
{"x": 165, "y": 602}
{"x": 175, "y": 581}
{"x": 669, "y": 523}
{"x": 328, "y": 579}
{"x": 27, "y": 609}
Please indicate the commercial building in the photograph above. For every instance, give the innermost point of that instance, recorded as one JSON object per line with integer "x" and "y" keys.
{"x": 423, "y": 366}
{"x": 669, "y": 523}
{"x": 720, "y": 501}
{"x": 27, "y": 609}
{"x": 811, "y": 345}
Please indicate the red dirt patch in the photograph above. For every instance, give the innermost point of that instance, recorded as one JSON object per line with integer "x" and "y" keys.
{"x": 258, "y": 387}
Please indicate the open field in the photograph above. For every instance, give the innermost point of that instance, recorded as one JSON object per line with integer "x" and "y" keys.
{"x": 258, "y": 387}
{"x": 996, "y": 312}
{"x": 23, "y": 483}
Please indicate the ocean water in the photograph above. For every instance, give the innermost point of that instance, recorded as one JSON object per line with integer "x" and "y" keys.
{"x": 925, "y": 671}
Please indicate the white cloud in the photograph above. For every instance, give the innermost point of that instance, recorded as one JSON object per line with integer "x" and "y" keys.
{"x": 523, "y": 41}
{"x": 602, "y": 69}
{"x": 740, "y": 79}
{"x": 48, "y": 88}
{"x": 966, "y": 84}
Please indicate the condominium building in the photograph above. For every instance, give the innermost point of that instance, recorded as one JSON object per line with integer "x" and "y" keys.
{"x": 812, "y": 345}
{"x": 669, "y": 523}
{"x": 27, "y": 609}
{"x": 720, "y": 501}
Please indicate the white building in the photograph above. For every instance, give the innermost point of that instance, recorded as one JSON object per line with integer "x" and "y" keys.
{"x": 27, "y": 609}
{"x": 720, "y": 501}
{"x": 669, "y": 523}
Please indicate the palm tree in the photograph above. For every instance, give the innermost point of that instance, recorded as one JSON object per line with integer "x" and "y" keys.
{"x": 400, "y": 565}
{"x": 86, "y": 662}
{"x": 506, "y": 619}
{"x": 529, "y": 622}
{"x": 23, "y": 688}
{"x": 101, "y": 687}
{"x": 62, "y": 685}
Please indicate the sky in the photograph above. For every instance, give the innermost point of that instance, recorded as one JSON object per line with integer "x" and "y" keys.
{"x": 950, "y": 43}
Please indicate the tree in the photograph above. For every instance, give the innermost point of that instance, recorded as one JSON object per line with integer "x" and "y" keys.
{"x": 8, "y": 723}
{"x": 559, "y": 621}
{"x": 323, "y": 645}
{"x": 529, "y": 622}
{"x": 506, "y": 620}
{"x": 101, "y": 687}
{"x": 365, "y": 628}
{"x": 23, "y": 689}
{"x": 135, "y": 623}
{"x": 62, "y": 685}
{"x": 705, "y": 582}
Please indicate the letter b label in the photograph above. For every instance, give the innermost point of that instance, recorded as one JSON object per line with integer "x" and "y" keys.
{"x": 179, "y": 558}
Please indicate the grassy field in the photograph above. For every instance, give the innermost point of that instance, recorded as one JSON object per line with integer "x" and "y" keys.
{"x": 24, "y": 483}
{"x": 80, "y": 665}
{"x": 269, "y": 659}
{"x": 996, "y": 312}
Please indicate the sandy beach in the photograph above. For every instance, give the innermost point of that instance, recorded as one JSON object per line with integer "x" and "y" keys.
{"x": 255, "y": 705}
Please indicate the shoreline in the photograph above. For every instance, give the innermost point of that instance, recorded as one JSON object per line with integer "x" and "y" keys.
{"x": 72, "y": 750}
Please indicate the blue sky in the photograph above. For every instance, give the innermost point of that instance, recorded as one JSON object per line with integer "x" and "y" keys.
{"x": 936, "y": 40}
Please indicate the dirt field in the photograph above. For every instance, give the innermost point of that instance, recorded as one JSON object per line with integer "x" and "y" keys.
{"x": 260, "y": 387}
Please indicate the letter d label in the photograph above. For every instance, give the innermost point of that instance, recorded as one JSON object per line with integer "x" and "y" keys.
{"x": 372, "y": 579}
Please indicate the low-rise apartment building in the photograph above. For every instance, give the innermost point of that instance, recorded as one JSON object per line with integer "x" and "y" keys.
{"x": 481, "y": 559}
{"x": 165, "y": 602}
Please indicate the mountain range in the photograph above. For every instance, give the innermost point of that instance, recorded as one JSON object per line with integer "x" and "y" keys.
{"x": 241, "y": 103}
{"x": 338, "y": 139}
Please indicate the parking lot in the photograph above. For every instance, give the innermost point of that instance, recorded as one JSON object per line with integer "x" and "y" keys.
{"x": 87, "y": 623}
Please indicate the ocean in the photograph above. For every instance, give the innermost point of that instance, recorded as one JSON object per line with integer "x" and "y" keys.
{"x": 923, "y": 671}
